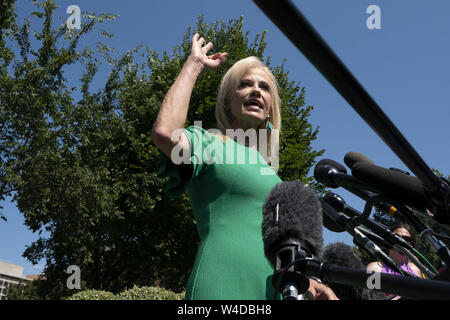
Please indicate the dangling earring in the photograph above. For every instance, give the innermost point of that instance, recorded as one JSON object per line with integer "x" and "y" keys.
{"x": 228, "y": 115}
{"x": 269, "y": 124}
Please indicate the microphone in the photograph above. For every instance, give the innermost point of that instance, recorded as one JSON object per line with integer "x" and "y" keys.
{"x": 368, "y": 178}
{"x": 331, "y": 174}
{"x": 292, "y": 234}
{"x": 334, "y": 175}
{"x": 329, "y": 217}
{"x": 425, "y": 232}
{"x": 359, "y": 238}
{"x": 291, "y": 225}
{"x": 331, "y": 225}
{"x": 381, "y": 234}
{"x": 339, "y": 204}
{"x": 401, "y": 186}
{"x": 342, "y": 255}
{"x": 353, "y": 157}
{"x": 393, "y": 184}
{"x": 426, "y": 199}
{"x": 324, "y": 170}
{"x": 327, "y": 172}
{"x": 376, "y": 238}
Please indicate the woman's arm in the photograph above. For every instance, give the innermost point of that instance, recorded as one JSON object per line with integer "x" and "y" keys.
{"x": 416, "y": 270}
{"x": 374, "y": 266}
{"x": 173, "y": 112}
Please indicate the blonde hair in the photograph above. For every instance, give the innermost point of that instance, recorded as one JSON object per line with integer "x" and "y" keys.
{"x": 229, "y": 85}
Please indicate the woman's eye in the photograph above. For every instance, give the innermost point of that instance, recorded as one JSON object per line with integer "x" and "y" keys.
{"x": 265, "y": 87}
{"x": 243, "y": 84}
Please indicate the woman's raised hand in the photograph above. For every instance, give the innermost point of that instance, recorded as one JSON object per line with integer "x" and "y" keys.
{"x": 200, "y": 57}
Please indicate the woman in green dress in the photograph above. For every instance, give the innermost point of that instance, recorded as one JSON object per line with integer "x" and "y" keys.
{"x": 226, "y": 174}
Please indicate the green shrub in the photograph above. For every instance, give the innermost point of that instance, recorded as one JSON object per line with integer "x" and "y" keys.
{"x": 92, "y": 295}
{"x": 136, "y": 293}
{"x": 149, "y": 293}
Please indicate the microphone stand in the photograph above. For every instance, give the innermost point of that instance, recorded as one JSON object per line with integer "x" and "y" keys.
{"x": 286, "y": 280}
{"x": 425, "y": 233}
{"x": 359, "y": 238}
{"x": 407, "y": 287}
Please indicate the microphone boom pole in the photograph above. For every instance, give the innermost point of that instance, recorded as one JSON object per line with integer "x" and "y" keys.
{"x": 303, "y": 35}
{"x": 408, "y": 287}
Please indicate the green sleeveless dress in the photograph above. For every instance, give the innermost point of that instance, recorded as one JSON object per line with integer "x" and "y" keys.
{"x": 227, "y": 190}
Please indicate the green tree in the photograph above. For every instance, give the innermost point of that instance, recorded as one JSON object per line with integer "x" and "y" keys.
{"x": 26, "y": 290}
{"x": 7, "y": 16}
{"x": 85, "y": 169}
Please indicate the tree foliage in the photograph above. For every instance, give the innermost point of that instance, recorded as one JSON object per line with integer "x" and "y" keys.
{"x": 79, "y": 160}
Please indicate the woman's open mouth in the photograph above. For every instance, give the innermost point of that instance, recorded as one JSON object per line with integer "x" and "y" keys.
{"x": 253, "y": 104}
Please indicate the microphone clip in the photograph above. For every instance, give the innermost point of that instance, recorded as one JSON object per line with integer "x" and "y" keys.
{"x": 372, "y": 201}
{"x": 276, "y": 216}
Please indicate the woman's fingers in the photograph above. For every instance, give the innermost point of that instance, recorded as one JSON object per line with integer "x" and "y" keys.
{"x": 199, "y": 51}
{"x": 197, "y": 41}
{"x": 207, "y": 47}
{"x": 214, "y": 56}
{"x": 217, "y": 59}
{"x": 195, "y": 38}
{"x": 197, "y": 45}
{"x": 218, "y": 55}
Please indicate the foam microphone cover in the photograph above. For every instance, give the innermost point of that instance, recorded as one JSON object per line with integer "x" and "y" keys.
{"x": 394, "y": 184}
{"x": 353, "y": 157}
{"x": 342, "y": 255}
{"x": 300, "y": 218}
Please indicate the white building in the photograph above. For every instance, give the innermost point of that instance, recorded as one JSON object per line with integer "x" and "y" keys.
{"x": 9, "y": 274}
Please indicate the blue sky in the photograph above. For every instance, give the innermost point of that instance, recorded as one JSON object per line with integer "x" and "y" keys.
{"x": 404, "y": 66}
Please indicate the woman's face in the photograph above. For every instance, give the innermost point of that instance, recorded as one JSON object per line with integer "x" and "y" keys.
{"x": 251, "y": 102}
{"x": 397, "y": 256}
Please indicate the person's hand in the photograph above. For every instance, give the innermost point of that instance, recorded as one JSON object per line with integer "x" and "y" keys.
{"x": 199, "y": 54}
{"x": 318, "y": 291}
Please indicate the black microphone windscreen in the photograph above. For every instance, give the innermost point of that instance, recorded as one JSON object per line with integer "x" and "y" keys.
{"x": 331, "y": 225}
{"x": 353, "y": 157}
{"x": 322, "y": 172}
{"x": 338, "y": 204}
{"x": 299, "y": 218}
{"x": 342, "y": 255}
{"x": 394, "y": 184}
{"x": 339, "y": 167}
